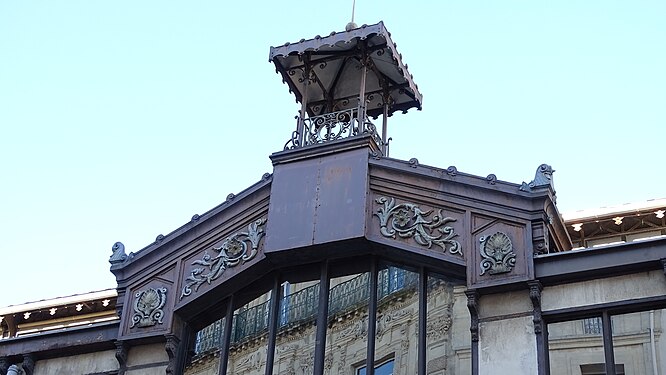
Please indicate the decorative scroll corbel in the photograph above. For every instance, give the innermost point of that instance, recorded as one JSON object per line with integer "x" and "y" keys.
{"x": 473, "y": 307}
{"x": 497, "y": 253}
{"x": 121, "y": 356}
{"x": 4, "y": 365}
{"x": 408, "y": 220}
{"x": 535, "y": 297}
{"x": 28, "y": 364}
{"x": 172, "y": 345}
{"x": 148, "y": 307}
{"x": 236, "y": 249}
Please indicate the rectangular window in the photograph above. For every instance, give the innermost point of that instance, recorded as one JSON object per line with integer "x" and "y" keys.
{"x": 592, "y": 326}
{"x": 633, "y": 339}
{"x": 386, "y": 368}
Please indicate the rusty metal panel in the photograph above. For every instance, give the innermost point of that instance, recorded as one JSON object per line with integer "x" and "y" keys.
{"x": 318, "y": 200}
{"x": 292, "y": 207}
{"x": 341, "y": 198}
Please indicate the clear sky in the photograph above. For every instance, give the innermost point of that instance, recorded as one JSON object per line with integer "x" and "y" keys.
{"x": 119, "y": 120}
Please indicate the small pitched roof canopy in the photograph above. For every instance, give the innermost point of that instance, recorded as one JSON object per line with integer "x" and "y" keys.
{"x": 335, "y": 62}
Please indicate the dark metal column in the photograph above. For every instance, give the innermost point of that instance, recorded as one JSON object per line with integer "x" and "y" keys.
{"x": 304, "y": 101}
{"x": 273, "y": 325}
{"x": 372, "y": 319}
{"x": 535, "y": 296}
{"x": 322, "y": 320}
{"x": 608, "y": 343}
{"x": 473, "y": 307}
{"x": 361, "y": 96}
{"x": 226, "y": 339}
{"x": 423, "y": 316}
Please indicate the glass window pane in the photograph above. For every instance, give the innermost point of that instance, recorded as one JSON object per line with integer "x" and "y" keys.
{"x": 447, "y": 327}
{"x": 638, "y": 344}
{"x": 385, "y": 368}
{"x": 397, "y": 317}
{"x": 575, "y": 347}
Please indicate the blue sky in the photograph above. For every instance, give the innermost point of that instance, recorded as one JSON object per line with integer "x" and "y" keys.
{"x": 120, "y": 120}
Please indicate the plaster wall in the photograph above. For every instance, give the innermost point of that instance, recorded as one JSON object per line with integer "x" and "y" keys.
{"x": 78, "y": 364}
{"x": 160, "y": 370}
{"x": 613, "y": 289}
{"x": 146, "y": 354}
{"x": 507, "y": 347}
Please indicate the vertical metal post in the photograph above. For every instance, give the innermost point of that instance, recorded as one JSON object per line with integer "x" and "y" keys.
{"x": 361, "y": 96}
{"x": 423, "y": 315}
{"x": 385, "y": 128}
{"x": 372, "y": 319}
{"x": 304, "y": 101}
{"x": 226, "y": 339}
{"x": 273, "y": 325}
{"x": 473, "y": 307}
{"x": 322, "y": 320}
{"x": 608, "y": 343}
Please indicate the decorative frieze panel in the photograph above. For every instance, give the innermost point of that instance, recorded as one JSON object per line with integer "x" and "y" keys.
{"x": 408, "y": 220}
{"x": 497, "y": 254}
{"x": 148, "y": 306}
{"x": 236, "y": 249}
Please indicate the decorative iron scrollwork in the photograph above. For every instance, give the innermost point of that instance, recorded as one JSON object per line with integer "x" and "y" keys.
{"x": 408, "y": 220}
{"x": 148, "y": 307}
{"x": 497, "y": 253}
{"x": 329, "y": 126}
{"x": 233, "y": 251}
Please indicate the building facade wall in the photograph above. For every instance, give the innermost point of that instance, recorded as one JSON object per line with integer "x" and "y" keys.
{"x": 91, "y": 363}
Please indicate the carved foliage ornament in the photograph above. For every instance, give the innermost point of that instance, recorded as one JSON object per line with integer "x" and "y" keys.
{"x": 148, "y": 307}
{"x": 408, "y": 220}
{"x": 497, "y": 253}
{"x": 236, "y": 249}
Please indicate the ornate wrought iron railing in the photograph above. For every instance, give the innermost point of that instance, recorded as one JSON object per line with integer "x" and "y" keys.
{"x": 330, "y": 127}
{"x": 301, "y": 307}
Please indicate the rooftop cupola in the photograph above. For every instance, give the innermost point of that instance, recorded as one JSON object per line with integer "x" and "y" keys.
{"x": 344, "y": 82}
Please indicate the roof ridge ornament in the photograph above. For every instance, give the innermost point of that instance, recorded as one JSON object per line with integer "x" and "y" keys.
{"x": 542, "y": 178}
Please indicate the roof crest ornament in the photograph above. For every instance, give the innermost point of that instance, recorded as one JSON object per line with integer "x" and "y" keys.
{"x": 542, "y": 178}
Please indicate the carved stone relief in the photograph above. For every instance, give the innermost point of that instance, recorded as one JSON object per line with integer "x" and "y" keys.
{"x": 148, "y": 307}
{"x": 236, "y": 249}
{"x": 438, "y": 327}
{"x": 408, "y": 220}
{"x": 497, "y": 254}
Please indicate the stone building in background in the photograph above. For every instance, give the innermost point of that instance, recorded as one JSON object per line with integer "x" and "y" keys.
{"x": 347, "y": 261}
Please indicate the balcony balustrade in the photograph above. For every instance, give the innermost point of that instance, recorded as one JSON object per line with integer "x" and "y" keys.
{"x": 301, "y": 307}
{"x": 331, "y": 127}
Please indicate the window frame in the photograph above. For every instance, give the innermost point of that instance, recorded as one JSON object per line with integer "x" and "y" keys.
{"x": 606, "y": 311}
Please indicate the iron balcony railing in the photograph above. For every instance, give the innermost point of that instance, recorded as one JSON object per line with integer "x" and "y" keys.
{"x": 332, "y": 126}
{"x": 301, "y": 307}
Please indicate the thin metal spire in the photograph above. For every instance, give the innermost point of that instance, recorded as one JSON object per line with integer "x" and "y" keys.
{"x": 351, "y": 25}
